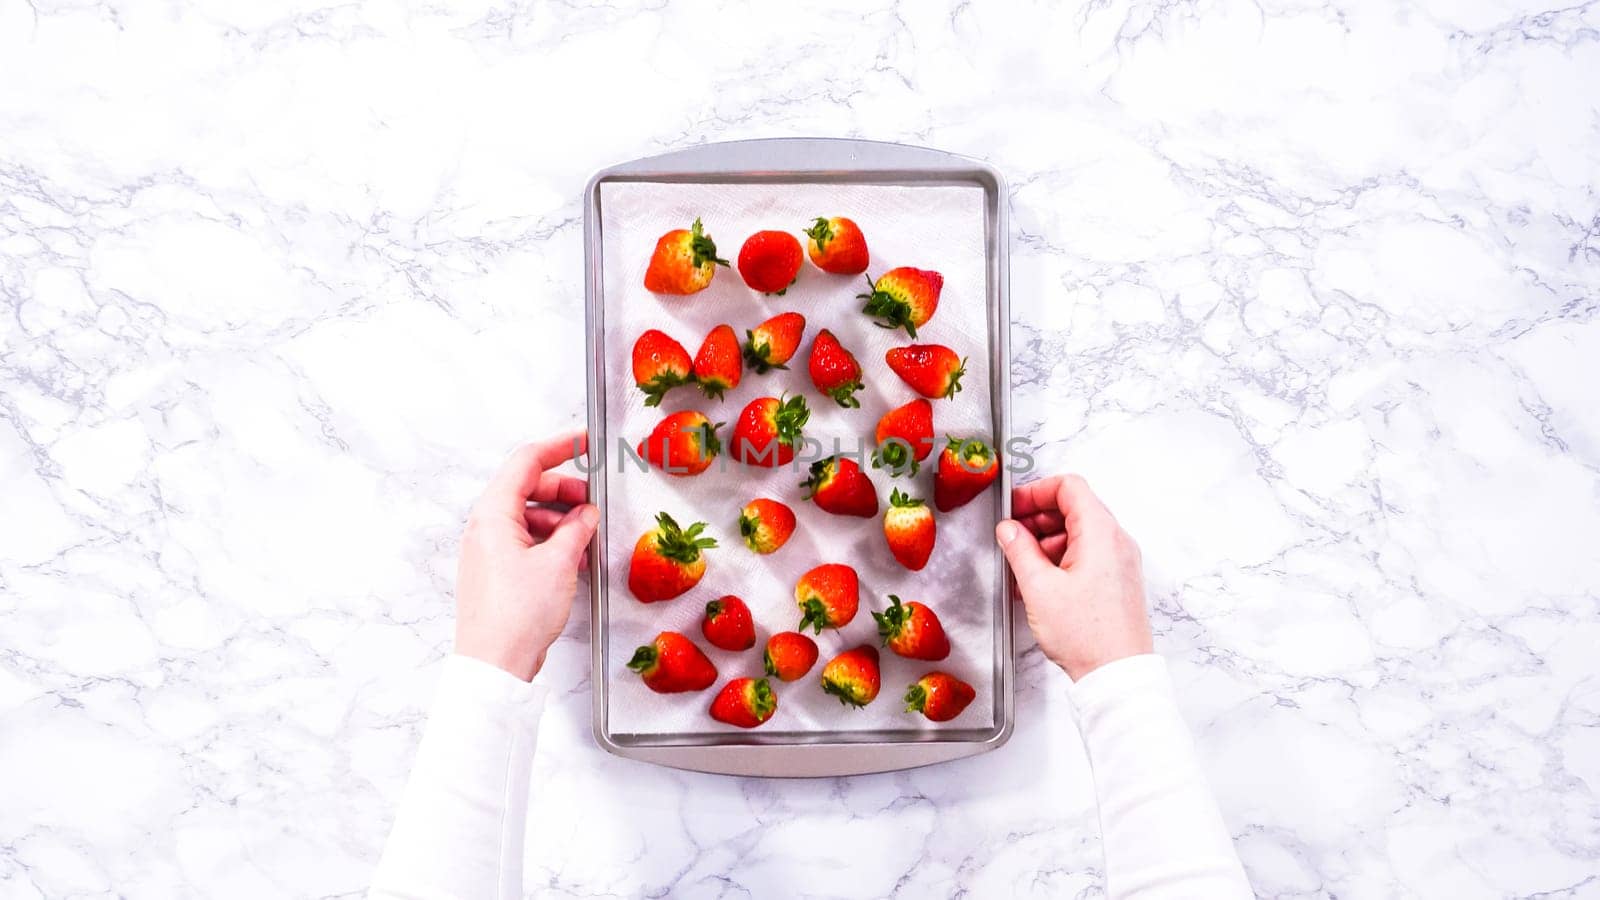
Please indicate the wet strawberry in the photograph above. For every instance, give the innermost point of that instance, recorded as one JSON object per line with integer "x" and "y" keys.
{"x": 659, "y": 365}
{"x": 853, "y": 676}
{"x": 828, "y": 597}
{"x": 834, "y": 370}
{"x": 905, "y": 438}
{"x": 684, "y": 443}
{"x": 836, "y": 245}
{"x": 838, "y": 486}
{"x": 903, "y": 298}
{"x": 717, "y": 366}
{"x": 790, "y": 655}
{"x": 728, "y": 624}
{"x": 938, "y": 696}
{"x": 966, "y": 469}
{"x": 765, "y": 525}
{"x": 768, "y": 431}
{"x": 667, "y": 560}
{"x": 769, "y": 261}
{"x": 672, "y": 664}
{"x": 912, "y": 630}
{"x": 745, "y": 702}
{"x": 932, "y": 370}
{"x": 910, "y": 530}
{"x": 772, "y": 344}
{"x": 683, "y": 262}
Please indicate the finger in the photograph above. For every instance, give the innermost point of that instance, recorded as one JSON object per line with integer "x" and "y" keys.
{"x": 1028, "y": 561}
{"x": 571, "y": 535}
{"x": 518, "y": 479}
{"x": 1035, "y": 497}
{"x": 1054, "y": 547}
{"x": 1044, "y": 524}
{"x": 557, "y": 488}
{"x": 542, "y": 521}
{"x": 1083, "y": 515}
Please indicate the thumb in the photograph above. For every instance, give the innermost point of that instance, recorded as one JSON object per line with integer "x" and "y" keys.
{"x": 1028, "y": 562}
{"x": 571, "y": 535}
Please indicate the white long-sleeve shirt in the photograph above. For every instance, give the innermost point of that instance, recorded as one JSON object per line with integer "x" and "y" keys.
{"x": 459, "y": 830}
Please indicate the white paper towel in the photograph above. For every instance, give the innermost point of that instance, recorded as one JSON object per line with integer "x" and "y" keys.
{"x": 930, "y": 227}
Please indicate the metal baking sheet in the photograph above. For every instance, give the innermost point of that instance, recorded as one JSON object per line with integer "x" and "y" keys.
{"x": 803, "y": 162}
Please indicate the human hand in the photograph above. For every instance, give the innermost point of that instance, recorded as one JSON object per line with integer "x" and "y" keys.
{"x": 519, "y": 563}
{"x": 1079, "y": 574}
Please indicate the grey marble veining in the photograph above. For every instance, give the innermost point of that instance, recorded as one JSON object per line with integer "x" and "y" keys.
{"x": 1308, "y": 290}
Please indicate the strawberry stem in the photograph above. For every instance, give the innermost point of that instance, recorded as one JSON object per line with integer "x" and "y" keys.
{"x": 821, "y": 473}
{"x": 790, "y": 417}
{"x": 892, "y": 620}
{"x": 844, "y": 395}
{"x": 916, "y": 698}
{"x": 681, "y": 545}
{"x": 821, "y": 233}
{"x": 815, "y": 616}
{"x": 894, "y": 312}
{"x": 703, "y": 247}
{"x": 762, "y": 702}
{"x": 902, "y": 499}
{"x": 955, "y": 379}
{"x": 759, "y": 356}
{"x": 644, "y": 660}
{"x": 895, "y": 455}
{"x": 656, "y": 388}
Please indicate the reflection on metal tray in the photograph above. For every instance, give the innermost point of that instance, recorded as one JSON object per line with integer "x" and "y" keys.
{"x": 808, "y": 161}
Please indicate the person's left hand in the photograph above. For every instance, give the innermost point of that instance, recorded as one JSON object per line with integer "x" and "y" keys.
{"x": 519, "y": 563}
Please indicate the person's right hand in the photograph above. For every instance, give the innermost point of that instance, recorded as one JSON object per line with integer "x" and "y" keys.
{"x": 1079, "y": 574}
{"x": 519, "y": 563}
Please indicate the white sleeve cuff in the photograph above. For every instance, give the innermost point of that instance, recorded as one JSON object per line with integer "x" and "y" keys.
{"x": 1116, "y": 681}
{"x": 467, "y": 678}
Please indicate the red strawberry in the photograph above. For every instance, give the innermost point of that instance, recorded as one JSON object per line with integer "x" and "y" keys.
{"x": 765, "y": 525}
{"x": 905, "y": 438}
{"x": 966, "y": 469}
{"x": 672, "y": 664}
{"x": 768, "y": 430}
{"x": 909, "y": 527}
{"x": 938, "y": 696}
{"x": 932, "y": 370}
{"x": 728, "y": 624}
{"x": 772, "y": 343}
{"x": 684, "y": 261}
{"x": 834, "y": 369}
{"x": 667, "y": 560}
{"x": 836, "y": 245}
{"x": 912, "y": 631}
{"x": 828, "y": 596}
{"x": 852, "y": 676}
{"x": 903, "y": 298}
{"x": 745, "y": 702}
{"x": 769, "y": 261}
{"x": 683, "y": 444}
{"x": 716, "y": 366}
{"x": 790, "y": 655}
{"x": 839, "y": 486}
{"x": 659, "y": 365}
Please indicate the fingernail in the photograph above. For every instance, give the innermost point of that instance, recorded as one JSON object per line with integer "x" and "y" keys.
{"x": 1006, "y": 532}
{"x": 590, "y": 516}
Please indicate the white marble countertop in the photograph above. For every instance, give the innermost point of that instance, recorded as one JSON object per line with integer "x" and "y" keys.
{"x": 1307, "y": 288}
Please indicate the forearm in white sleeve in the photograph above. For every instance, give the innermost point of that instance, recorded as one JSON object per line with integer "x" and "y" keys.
{"x": 459, "y": 829}
{"x": 1162, "y": 834}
